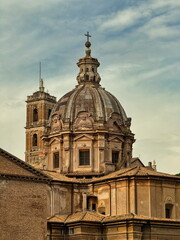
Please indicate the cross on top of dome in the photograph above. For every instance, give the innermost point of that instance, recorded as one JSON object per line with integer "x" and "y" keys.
{"x": 88, "y": 36}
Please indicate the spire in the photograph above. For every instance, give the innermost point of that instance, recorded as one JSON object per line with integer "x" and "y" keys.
{"x": 88, "y": 66}
{"x": 41, "y": 87}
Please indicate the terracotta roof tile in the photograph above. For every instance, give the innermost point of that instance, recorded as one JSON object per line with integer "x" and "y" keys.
{"x": 78, "y": 216}
{"x": 134, "y": 171}
{"x": 96, "y": 217}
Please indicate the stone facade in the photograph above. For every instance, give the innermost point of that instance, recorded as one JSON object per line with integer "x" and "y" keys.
{"x": 39, "y": 107}
{"x": 23, "y": 200}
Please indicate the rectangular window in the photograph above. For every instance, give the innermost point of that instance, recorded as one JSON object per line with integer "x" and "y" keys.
{"x": 71, "y": 230}
{"x": 168, "y": 213}
{"x": 168, "y": 210}
{"x": 115, "y": 157}
{"x": 84, "y": 157}
{"x": 56, "y": 160}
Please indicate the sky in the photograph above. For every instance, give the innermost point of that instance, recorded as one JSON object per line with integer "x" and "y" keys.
{"x": 137, "y": 43}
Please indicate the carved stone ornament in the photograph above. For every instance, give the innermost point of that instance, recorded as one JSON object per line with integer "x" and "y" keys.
{"x": 83, "y": 122}
{"x": 115, "y": 122}
{"x": 55, "y": 123}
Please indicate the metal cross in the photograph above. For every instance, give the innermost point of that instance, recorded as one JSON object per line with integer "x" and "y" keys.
{"x": 88, "y": 36}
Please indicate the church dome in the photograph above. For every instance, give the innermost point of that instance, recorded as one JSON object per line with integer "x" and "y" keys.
{"x": 88, "y": 99}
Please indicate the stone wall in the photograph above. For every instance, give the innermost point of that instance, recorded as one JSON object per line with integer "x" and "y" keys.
{"x": 23, "y": 210}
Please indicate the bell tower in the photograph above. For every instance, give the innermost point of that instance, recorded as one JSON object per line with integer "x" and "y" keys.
{"x": 38, "y": 110}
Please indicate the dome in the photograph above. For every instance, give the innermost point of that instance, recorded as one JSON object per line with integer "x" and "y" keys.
{"x": 95, "y": 100}
{"x": 89, "y": 132}
{"x": 88, "y": 100}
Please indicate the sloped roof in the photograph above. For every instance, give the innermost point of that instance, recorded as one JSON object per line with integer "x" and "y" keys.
{"x": 125, "y": 172}
{"x": 86, "y": 216}
{"x": 134, "y": 171}
{"x": 12, "y": 161}
{"x": 62, "y": 178}
{"x": 134, "y": 216}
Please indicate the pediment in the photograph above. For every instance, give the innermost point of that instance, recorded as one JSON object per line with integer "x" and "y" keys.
{"x": 83, "y": 137}
{"x": 13, "y": 166}
{"x": 116, "y": 139}
{"x": 54, "y": 140}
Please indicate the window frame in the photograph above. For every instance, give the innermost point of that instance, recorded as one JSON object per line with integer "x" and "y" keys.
{"x": 116, "y": 160}
{"x": 81, "y": 150}
{"x": 35, "y": 140}
{"x": 55, "y": 160}
{"x": 35, "y": 115}
{"x": 169, "y": 207}
{"x": 71, "y": 231}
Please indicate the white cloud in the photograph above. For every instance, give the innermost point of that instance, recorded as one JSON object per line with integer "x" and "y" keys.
{"x": 122, "y": 19}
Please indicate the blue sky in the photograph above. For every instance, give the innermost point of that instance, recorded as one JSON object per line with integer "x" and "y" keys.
{"x": 137, "y": 43}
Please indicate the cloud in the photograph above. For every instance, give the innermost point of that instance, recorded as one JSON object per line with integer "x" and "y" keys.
{"x": 152, "y": 16}
{"x": 122, "y": 19}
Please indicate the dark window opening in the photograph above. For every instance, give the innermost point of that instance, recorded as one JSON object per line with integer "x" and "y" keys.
{"x": 34, "y": 141}
{"x": 94, "y": 207}
{"x": 92, "y": 69}
{"x": 84, "y": 157}
{"x": 115, "y": 157}
{"x": 49, "y": 113}
{"x": 87, "y": 70}
{"x": 35, "y": 115}
{"x": 71, "y": 231}
{"x": 62, "y": 232}
{"x": 168, "y": 210}
{"x": 87, "y": 77}
{"x": 56, "y": 160}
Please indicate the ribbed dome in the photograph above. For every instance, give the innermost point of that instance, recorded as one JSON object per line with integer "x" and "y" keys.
{"x": 95, "y": 100}
{"x": 88, "y": 100}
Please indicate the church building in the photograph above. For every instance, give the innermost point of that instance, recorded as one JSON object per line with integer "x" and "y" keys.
{"x": 81, "y": 148}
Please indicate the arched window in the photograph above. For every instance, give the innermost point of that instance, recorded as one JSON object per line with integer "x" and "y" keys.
{"x": 35, "y": 141}
{"x": 35, "y": 115}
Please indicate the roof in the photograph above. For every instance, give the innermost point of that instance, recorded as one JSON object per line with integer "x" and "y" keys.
{"x": 88, "y": 216}
{"x": 56, "y": 176}
{"x": 17, "y": 168}
{"x": 134, "y": 171}
{"x": 137, "y": 171}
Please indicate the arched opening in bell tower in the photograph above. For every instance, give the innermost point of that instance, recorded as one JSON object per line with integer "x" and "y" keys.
{"x": 35, "y": 115}
{"x": 34, "y": 140}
